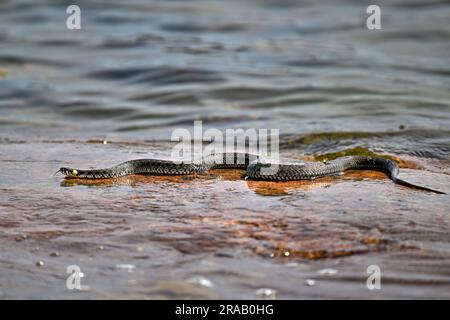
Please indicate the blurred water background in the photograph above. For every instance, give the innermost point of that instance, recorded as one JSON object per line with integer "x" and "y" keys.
{"x": 139, "y": 69}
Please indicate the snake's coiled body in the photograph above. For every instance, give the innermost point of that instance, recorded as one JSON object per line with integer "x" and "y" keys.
{"x": 256, "y": 168}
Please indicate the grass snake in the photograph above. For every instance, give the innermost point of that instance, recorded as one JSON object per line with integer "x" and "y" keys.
{"x": 256, "y": 168}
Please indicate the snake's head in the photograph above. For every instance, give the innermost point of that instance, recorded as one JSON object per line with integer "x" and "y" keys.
{"x": 68, "y": 172}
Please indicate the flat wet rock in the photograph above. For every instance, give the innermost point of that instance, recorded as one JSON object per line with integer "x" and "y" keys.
{"x": 138, "y": 70}
{"x": 174, "y": 228}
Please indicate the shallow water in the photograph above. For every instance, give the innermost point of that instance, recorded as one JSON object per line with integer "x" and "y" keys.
{"x": 139, "y": 70}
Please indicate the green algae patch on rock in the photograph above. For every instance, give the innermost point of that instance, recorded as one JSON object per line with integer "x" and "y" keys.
{"x": 360, "y": 151}
{"x": 3, "y": 73}
{"x": 311, "y": 138}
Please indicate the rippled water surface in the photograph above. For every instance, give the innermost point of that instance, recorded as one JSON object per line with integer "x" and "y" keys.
{"x": 140, "y": 69}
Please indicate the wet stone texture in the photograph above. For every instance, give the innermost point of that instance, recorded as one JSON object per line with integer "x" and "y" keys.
{"x": 139, "y": 69}
{"x": 150, "y": 236}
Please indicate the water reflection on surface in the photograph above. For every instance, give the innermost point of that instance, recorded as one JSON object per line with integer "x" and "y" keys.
{"x": 116, "y": 90}
{"x": 179, "y": 227}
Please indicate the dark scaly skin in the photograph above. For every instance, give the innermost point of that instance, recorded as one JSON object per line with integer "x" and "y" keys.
{"x": 140, "y": 166}
{"x": 256, "y": 169}
{"x": 164, "y": 167}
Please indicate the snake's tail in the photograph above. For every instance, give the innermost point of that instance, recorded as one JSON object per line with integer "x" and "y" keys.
{"x": 386, "y": 165}
{"x": 411, "y": 185}
{"x": 393, "y": 174}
